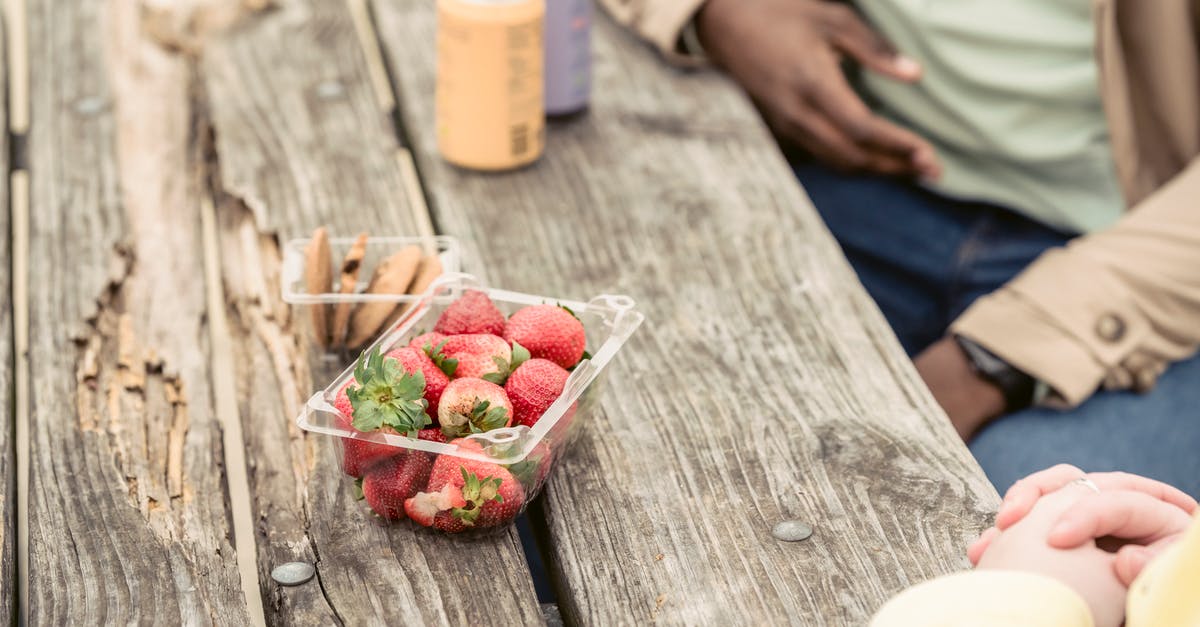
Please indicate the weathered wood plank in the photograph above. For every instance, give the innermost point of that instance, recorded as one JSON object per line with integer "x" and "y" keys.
{"x": 127, "y": 506}
{"x": 8, "y": 465}
{"x": 300, "y": 142}
{"x": 764, "y": 386}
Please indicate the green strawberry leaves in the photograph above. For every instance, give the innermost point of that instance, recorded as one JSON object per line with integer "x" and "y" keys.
{"x": 568, "y": 310}
{"x": 586, "y": 355}
{"x": 483, "y": 418}
{"x": 525, "y": 471}
{"x": 477, "y": 493}
{"x": 358, "y": 491}
{"x": 520, "y": 355}
{"x": 446, "y": 364}
{"x": 388, "y": 396}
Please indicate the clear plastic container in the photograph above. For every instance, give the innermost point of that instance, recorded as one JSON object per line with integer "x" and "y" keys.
{"x": 378, "y": 248}
{"x": 295, "y": 291}
{"x": 529, "y": 454}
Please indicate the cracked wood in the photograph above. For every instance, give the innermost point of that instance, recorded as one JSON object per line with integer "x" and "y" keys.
{"x": 127, "y": 509}
{"x": 764, "y": 386}
{"x": 299, "y": 142}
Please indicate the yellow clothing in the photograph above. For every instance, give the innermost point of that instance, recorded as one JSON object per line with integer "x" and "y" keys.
{"x": 1166, "y": 594}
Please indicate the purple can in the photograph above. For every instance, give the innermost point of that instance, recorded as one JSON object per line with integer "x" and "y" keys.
{"x": 568, "y": 55}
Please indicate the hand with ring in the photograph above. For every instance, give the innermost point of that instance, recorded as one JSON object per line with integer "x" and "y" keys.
{"x": 1144, "y": 514}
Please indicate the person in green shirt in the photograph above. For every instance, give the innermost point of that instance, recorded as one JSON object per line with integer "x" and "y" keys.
{"x": 950, "y": 144}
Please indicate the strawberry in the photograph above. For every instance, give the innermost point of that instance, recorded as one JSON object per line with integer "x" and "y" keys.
{"x": 384, "y": 395}
{"x": 473, "y": 312}
{"x": 477, "y": 355}
{"x": 433, "y": 338}
{"x": 473, "y": 406}
{"x": 424, "y": 507}
{"x": 548, "y": 332}
{"x": 359, "y": 455}
{"x": 389, "y": 484}
{"x": 432, "y": 434}
{"x": 533, "y": 387}
{"x": 415, "y": 360}
{"x": 466, "y": 493}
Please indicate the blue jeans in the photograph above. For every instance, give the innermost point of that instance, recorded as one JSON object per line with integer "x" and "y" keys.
{"x": 924, "y": 258}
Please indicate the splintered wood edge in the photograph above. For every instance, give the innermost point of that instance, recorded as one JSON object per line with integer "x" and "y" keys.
{"x": 229, "y": 417}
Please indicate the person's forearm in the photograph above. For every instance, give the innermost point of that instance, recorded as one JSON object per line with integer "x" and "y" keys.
{"x": 1115, "y": 305}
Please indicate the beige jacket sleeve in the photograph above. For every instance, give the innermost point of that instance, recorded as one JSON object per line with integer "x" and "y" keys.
{"x": 1116, "y": 306}
{"x": 659, "y": 22}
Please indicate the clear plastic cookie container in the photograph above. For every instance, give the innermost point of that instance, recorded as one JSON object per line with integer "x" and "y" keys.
{"x": 351, "y": 318}
{"x": 498, "y": 431}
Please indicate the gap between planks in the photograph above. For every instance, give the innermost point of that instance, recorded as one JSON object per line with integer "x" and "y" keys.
{"x": 19, "y": 199}
{"x": 225, "y": 404}
{"x": 381, "y": 84}
{"x": 17, "y": 55}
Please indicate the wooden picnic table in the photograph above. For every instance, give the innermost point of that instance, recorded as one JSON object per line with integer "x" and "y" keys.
{"x": 152, "y": 471}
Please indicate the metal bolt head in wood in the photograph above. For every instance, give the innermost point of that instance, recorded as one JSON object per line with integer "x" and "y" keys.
{"x": 330, "y": 90}
{"x": 293, "y": 573}
{"x": 90, "y": 105}
{"x": 792, "y": 531}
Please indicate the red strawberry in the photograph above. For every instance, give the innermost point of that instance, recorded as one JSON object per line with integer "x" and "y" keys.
{"x": 473, "y": 406}
{"x": 548, "y": 332}
{"x": 477, "y": 354}
{"x": 533, "y": 387}
{"x": 389, "y": 484}
{"x": 360, "y": 455}
{"x": 415, "y": 360}
{"x": 424, "y": 507}
{"x": 385, "y": 394}
{"x": 431, "y": 339}
{"x": 432, "y": 434}
{"x": 473, "y": 312}
{"x": 466, "y": 493}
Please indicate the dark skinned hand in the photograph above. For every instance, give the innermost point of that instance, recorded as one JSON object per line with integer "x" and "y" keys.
{"x": 787, "y": 55}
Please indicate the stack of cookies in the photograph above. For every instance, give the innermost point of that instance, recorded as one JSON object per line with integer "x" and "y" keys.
{"x": 353, "y": 325}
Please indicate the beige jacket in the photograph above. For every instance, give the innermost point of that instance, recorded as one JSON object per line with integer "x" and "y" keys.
{"x": 1112, "y": 308}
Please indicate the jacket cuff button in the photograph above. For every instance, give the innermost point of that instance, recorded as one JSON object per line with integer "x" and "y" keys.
{"x": 1110, "y": 328}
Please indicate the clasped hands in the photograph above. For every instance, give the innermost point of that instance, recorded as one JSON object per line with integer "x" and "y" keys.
{"x": 1095, "y": 542}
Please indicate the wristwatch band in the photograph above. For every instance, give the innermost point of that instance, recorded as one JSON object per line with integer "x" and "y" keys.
{"x": 689, "y": 41}
{"x": 1018, "y": 388}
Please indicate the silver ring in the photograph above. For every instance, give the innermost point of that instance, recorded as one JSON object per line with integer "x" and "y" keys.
{"x": 1087, "y": 483}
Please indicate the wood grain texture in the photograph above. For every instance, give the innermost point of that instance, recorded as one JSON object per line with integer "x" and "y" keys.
{"x": 764, "y": 386}
{"x": 299, "y": 142}
{"x": 127, "y": 506}
{"x": 300, "y": 138}
{"x": 8, "y": 461}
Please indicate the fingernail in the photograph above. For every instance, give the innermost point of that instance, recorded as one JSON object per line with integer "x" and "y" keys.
{"x": 905, "y": 65}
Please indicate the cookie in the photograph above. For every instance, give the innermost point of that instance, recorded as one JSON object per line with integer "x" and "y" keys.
{"x": 350, "y": 268}
{"x": 318, "y": 278}
{"x": 430, "y": 269}
{"x": 392, "y": 276}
